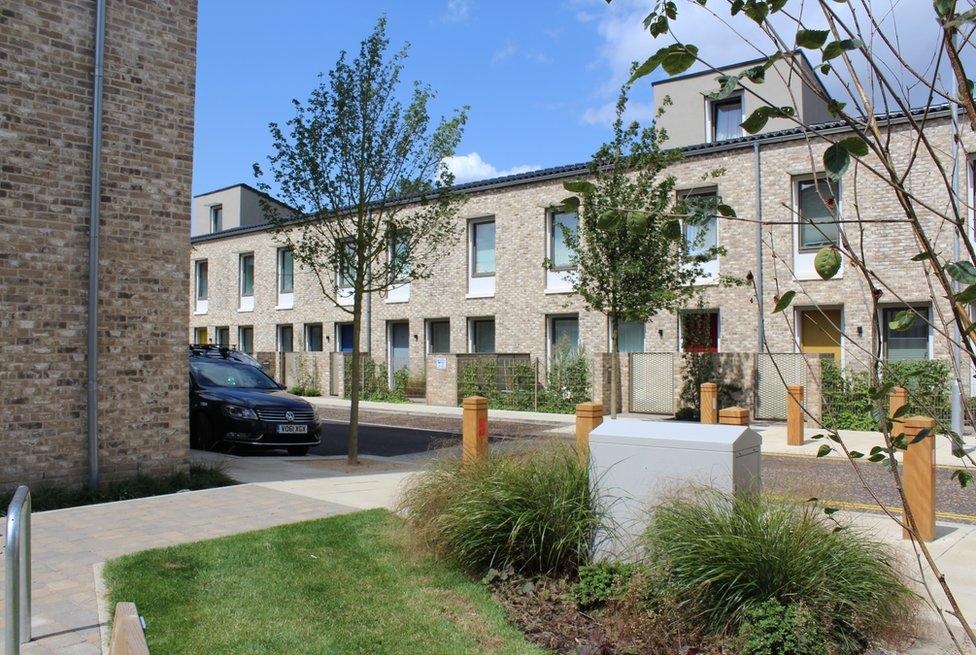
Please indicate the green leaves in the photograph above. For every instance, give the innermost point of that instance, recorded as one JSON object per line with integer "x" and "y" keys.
{"x": 837, "y": 48}
{"x": 967, "y": 295}
{"x": 571, "y": 203}
{"x": 758, "y": 118}
{"x": 965, "y": 478}
{"x": 902, "y": 321}
{"x": 962, "y": 272}
{"x": 674, "y": 59}
{"x": 726, "y": 211}
{"x": 824, "y": 450}
{"x": 837, "y": 158}
{"x": 784, "y": 301}
{"x": 579, "y": 186}
{"x": 672, "y": 229}
{"x": 610, "y": 219}
{"x": 811, "y": 39}
{"x": 827, "y": 262}
{"x": 835, "y": 107}
{"x": 728, "y": 84}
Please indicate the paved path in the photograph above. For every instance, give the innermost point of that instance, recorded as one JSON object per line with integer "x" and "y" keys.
{"x": 68, "y": 543}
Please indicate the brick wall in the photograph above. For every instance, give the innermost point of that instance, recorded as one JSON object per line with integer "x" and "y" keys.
{"x": 46, "y": 63}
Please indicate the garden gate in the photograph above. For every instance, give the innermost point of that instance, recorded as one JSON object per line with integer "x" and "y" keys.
{"x": 772, "y": 370}
{"x": 652, "y": 383}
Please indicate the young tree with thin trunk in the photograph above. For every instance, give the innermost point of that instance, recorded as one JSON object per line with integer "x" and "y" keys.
{"x": 364, "y": 174}
{"x": 629, "y": 255}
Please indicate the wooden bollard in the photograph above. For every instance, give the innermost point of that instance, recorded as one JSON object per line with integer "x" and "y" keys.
{"x": 897, "y": 399}
{"x": 588, "y": 416}
{"x": 919, "y": 476}
{"x": 734, "y": 416}
{"x": 127, "y": 635}
{"x": 474, "y": 440}
{"x": 794, "y": 415}
{"x": 709, "y": 402}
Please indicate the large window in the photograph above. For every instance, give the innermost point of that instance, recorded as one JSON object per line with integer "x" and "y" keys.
{"x": 439, "y": 336}
{"x": 222, "y": 337}
{"x": 700, "y": 235}
{"x": 483, "y": 248}
{"x": 482, "y": 335}
{"x": 313, "y": 337}
{"x": 400, "y": 257}
{"x": 216, "y": 218}
{"x": 247, "y": 275}
{"x": 201, "y": 279}
{"x": 559, "y": 252}
{"x": 347, "y": 264}
{"x": 817, "y": 205}
{"x": 563, "y": 335}
{"x": 726, "y": 119}
{"x": 630, "y": 336}
{"x": 245, "y": 339}
{"x": 286, "y": 270}
{"x": 286, "y": 339}
{"x": 912, "y": 343}
{"x": 699, "y": 332}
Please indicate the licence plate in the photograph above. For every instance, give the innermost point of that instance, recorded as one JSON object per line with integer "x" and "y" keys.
{"x": 292, "y": 429}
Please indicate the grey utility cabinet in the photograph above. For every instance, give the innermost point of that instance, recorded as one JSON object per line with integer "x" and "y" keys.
{"x": 633, "y": 463}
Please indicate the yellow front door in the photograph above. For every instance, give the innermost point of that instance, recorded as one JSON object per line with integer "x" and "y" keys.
{"x": 200, "y": 336}
{"x": 820, "y": 332}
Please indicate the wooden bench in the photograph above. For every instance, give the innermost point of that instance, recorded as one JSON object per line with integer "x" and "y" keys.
{"x": 734, "y": 416}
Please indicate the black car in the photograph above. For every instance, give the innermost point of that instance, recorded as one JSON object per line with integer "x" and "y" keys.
{"x": 234, "y": 401}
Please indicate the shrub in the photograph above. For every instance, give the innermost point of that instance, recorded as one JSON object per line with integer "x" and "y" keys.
{"x": 601, "y": 582}
{"x": 376, "y": 382}
{"x": 774, "y": 629}
{"x": 725, "y": 555}
{"x": 530, "y": 510}
{"x": 706, "y": 367}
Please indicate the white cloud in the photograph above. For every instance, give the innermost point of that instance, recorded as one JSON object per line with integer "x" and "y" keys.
{"x": 471, "y": 167}
{"x": 606, "y": 113}
{"x": 507, "y": 52}
{"x": 457, "y": 11}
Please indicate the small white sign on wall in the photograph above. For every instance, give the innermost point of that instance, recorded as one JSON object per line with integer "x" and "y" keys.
{"x": 440, "y": 363}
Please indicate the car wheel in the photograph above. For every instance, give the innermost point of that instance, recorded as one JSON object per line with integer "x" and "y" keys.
{"x": 202, "y": 433}
{"x": 298, "y": 451}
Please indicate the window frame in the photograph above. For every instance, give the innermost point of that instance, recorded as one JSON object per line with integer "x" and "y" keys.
{"x": 923, "y": 308}
{"x": 241, "y": 276}
{"x": 241, "y": 329}
{"x": 472, "y": 334}
{"x": 711, "y": 191}
{"x": 308, "y": 330}
{"x": 216, "y": 218}
{"x": 552, "y": 319}
{"x": 341, "y": 282}
{"x": 393, "y": 240}
{"x": 279, "y": 329}
{"x": 473, "y": 246}
{"x": 798, "y": 214}
{"x": 717, "y": 337}
{"x": 282, "y": 252}
{"x": 715, "y": 105}
{"x": 197, "y": 265}
{"x": 222, "y": 329}
{"x": 431, "y": 322}
{"x": 620, "y": 323}
{"x": 551, "y": 214}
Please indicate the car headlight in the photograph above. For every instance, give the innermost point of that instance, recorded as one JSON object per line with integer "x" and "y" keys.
{"x": 235, "y": 411}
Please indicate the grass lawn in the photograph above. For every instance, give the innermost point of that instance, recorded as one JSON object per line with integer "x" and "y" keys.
{"x": 348, "y": 584}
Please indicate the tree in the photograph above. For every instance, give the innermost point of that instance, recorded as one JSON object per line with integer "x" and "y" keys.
{"x": 630, "y": 256}
{"x": 364, "y": 174}
{"x": 903, "y": 122}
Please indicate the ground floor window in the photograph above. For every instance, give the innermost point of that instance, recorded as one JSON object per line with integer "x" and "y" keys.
{"x": 820, "y": 331}
{"x": 200, "y": 336}
{"x": 481, "y": 333}
{"x": 912, "y": 343}
{"x": 344, "y": 337}
{"x": 286, "y": 339}
{"x": 245, "y": 339}
{"x": 564, "y": 334}
{"x": 630, "y": 337}
{"x": 222, "y": 337}
{"x": 700, "y": 331}
{"x": 313, "y": 337}
{"x": 439, "y": 336}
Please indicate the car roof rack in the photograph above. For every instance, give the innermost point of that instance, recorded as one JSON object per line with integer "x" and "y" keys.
{"x": 209, "y": 349}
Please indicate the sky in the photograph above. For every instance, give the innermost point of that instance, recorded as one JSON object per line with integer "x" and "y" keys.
{"x": 541, "y": 77}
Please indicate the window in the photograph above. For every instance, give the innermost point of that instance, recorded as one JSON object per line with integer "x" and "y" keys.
{"x": 912, "y": 343}
{"x": 347, "y": 264}
{"x": 400, "y": 257}
{"x": 439, "y": 336}
{"x": 563, "y": 335}
{"x": 699, "y": 332}
{"x": 726, "y": 119}
{"x": 344, "y": 337}
{"x": 483, "y": 248}
{"x": 245, "y": 339}
{"x": 817, "y": 206}
{"x": 820, "y": 331}
{"x": 700, "y": 236}
{"x": 482, "y": 335}
{"x": 286, "y": 339}
{"x": 247, "y": 275}
{"x": 201, "y": 279}
{"x": 216, "y": 218}
{"x": 630, "y": 336}
{"x": 286, "y": 270}
{"x": 313, "y": 337}
{"x": 222, "y": 337}
{"x": 560, "y": 253}
{"x": 200, "y": 336}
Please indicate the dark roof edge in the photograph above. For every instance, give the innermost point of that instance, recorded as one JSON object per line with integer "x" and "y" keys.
{"x": 571, "y": 170}
{"x": 247, "y": 186}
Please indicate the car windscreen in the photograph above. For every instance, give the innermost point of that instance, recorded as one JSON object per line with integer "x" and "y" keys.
{"x": 219, "y": 373}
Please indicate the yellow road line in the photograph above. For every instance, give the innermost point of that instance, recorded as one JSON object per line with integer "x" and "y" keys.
{"x": 841, "y": 458}
{"x": 843, "y": 504}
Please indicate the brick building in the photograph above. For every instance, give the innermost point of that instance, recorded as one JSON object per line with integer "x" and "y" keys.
{"x": 47, "y": 65}
{"x": 520, "y": 307}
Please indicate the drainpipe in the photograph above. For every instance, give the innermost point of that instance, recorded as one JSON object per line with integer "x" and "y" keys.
{"x": 95, "y": 193}
{"x": 758, "y": 275}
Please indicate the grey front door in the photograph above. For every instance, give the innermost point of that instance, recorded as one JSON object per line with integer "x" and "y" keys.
{"x": 399, "y": 347}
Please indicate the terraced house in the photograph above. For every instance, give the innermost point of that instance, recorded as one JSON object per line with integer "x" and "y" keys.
{"x": 492, "y": 294}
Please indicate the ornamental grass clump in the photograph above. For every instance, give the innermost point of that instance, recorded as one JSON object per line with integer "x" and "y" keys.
{"x": 723, "y": 556}
{"x": 531, "y": 510}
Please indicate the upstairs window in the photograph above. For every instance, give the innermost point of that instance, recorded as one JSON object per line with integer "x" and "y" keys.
{"x": 400, "y": 258}
{"x": 700, "y": 236}
{"x": 726, "y": 118}
{"x": 560, "y": 254}
{"x": 201, "y": 276}
{"x": 483, "y": 248}
{"x": 286, "y": 271}
{"x": 347, "y": 264}
{"x": 247, "y": 275}
{"x": 216, "y": 218}
{"x": 817, "y": 206}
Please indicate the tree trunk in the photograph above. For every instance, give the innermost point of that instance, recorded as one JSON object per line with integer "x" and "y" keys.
{"x": 352, "y": 452}
{"x": 614, "y": 367}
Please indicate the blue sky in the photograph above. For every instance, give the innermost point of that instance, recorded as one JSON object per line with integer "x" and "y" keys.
{"x": 540, "y": 76}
